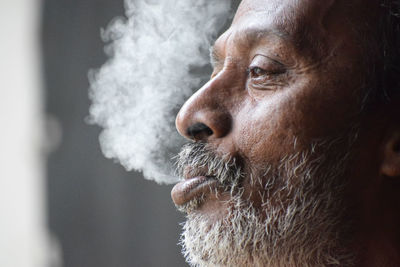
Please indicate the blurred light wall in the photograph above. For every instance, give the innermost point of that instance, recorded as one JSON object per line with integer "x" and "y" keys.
{"x": 102, "y": 215}
{"x": 23, "y": 241}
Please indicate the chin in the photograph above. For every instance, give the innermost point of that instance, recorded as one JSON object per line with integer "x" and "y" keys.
{"x": 304, "y": 232}
{"x": 296, "y": 221}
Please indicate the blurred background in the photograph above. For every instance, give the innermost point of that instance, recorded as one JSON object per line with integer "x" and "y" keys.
{"x": 62, "y": 202}
{"x": 100, "y": 214}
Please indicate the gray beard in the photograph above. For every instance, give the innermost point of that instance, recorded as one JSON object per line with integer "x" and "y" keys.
{"x": 304, "y": 228}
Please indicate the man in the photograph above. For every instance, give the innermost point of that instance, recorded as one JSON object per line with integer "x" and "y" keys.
{"x": 295, "y": 159}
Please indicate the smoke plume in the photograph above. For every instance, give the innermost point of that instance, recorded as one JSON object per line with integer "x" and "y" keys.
{"x": 158, "y": 55}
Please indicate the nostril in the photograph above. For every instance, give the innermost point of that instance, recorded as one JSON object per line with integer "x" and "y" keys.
{"x": 199, "y": 131}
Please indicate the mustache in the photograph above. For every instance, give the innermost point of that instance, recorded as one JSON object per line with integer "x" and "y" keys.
{"x": 198, "y": 159}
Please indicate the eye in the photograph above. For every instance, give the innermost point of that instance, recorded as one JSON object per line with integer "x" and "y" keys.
{"x": 271, "y": 69}
{"x": 265, "y": 73}
{"x": 256, "y": 72}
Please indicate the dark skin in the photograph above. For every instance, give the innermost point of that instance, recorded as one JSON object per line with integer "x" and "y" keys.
{"x": 286, "y": 71}
{"x": 378, "y": 238}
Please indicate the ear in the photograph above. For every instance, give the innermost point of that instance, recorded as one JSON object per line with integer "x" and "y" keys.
{"x": 391, "y": 155}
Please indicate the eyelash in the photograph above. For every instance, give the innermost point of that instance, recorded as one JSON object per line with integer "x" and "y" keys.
{"x": 265, "y": 78}
{"x": 252, "y": 71}
{"x": 276, "y": 71}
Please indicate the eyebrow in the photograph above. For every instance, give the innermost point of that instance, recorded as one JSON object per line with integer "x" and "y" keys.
{"x": 250, "y": 36}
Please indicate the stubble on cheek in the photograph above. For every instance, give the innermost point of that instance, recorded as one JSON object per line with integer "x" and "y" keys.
{"x": 295, "y": 220}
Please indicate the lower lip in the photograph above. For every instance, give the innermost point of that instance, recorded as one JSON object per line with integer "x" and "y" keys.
{"x": 191, "y": 188}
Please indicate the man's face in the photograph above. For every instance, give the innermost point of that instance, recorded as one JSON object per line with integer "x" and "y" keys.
{"x": 274, "y": 131}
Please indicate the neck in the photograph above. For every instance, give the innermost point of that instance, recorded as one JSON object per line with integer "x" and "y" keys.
{"x": 380, "y": 251}
{"x": 380, "y": 237}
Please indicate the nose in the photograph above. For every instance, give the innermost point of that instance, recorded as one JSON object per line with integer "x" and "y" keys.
{"x": 205, "y": 115}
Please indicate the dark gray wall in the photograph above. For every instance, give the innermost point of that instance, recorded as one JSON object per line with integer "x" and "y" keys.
{"x": 102, "y": 215}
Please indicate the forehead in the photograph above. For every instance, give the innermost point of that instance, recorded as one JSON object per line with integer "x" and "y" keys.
{"x": 311, "y": 25}
{"x": 276, "y": 6}
{"x": 288, "y": 15}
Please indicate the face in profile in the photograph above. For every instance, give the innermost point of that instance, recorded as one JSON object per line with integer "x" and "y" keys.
{"x": 278, "y": 139}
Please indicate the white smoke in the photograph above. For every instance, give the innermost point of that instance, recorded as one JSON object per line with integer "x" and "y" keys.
{"x": 157, "y": 56}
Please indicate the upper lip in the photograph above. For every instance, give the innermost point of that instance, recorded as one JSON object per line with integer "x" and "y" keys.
{"x": 190, "y": 172}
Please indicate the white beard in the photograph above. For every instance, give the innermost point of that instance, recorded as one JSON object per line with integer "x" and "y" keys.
{"x": 304, "y": 229}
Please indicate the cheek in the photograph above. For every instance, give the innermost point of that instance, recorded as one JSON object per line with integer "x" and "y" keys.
{"x": 269, "y": 128}
{"x": 324, "y": 107}
{"x": 263, "y": 132}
